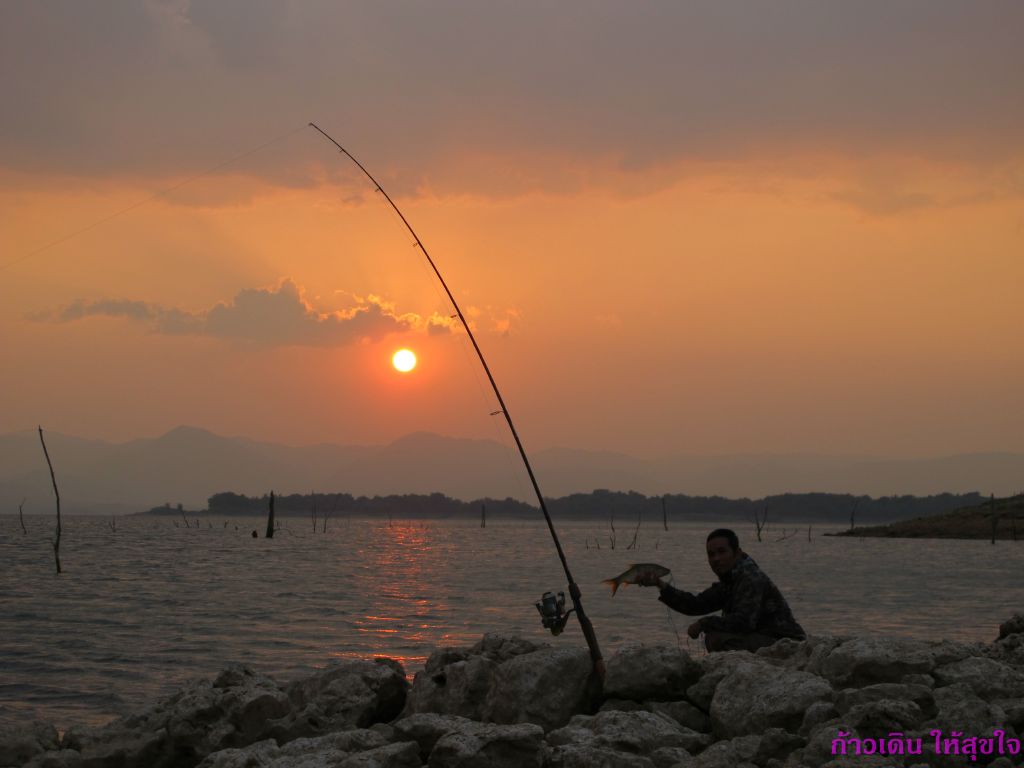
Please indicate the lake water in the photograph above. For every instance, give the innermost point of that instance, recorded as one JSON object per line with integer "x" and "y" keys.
{"x": 140, "y": 609}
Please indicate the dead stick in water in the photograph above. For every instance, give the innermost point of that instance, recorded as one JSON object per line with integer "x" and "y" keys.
{"x": 270, "y": 518}
{"x": 21, "y": 516}
{"x": 53, "y": 478}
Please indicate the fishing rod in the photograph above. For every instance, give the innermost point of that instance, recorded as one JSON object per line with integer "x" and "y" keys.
{"x": 574, "y": 589}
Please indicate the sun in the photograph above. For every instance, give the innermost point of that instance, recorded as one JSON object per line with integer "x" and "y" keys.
{"x": 404, "y": 360}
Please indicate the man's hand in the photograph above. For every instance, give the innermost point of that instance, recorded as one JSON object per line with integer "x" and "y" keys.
{"x": 694, "y": 630}
{"x": 650, "y": 581}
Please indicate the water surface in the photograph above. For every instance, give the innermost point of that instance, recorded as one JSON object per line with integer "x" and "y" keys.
{"x": 141, "y": 608}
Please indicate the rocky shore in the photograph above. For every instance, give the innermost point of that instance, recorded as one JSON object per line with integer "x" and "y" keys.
{"x": 511, "y": 703}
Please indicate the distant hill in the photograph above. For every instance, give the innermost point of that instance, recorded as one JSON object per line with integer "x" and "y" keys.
{"x": 187, "y": 465}
{"x": 973, "y": 522}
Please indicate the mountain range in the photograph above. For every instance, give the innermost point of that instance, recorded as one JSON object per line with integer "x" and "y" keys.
{"x": 187, "y": 465}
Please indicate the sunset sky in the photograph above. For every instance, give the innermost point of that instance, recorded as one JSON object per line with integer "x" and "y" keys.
{"x": 677, "y": 227}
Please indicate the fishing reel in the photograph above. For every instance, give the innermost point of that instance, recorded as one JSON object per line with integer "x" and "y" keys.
{"x": 551, "y": 612}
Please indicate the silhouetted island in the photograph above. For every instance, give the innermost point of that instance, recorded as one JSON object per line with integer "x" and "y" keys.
{"x": 626, "y": 506}
{"x": 991, "y": 519}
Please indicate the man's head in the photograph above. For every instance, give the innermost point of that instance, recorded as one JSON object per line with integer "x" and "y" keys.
{"x": 723, "y": 550}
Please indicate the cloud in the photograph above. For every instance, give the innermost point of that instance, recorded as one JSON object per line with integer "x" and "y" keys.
{"x": 277, "y": 316}
{"x": 446, "y": 96}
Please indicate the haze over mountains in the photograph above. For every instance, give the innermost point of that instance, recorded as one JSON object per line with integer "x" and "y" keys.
{"x": 187, "y": 465}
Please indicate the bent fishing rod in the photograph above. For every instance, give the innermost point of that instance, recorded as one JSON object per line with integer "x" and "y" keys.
{"x": 574, "y": 590}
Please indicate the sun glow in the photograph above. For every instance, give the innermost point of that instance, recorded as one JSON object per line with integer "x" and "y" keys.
{"x": 404, "y": 360}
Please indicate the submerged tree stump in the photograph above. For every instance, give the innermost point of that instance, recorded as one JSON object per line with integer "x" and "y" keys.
{"x": 53, "y": 478}
{"x": 270, "y": 518}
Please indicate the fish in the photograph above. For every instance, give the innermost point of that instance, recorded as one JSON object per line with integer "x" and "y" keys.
{"x": 636, "y": 573}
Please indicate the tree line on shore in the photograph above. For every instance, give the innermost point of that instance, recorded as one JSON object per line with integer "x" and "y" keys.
{"x": 789, "y": 507}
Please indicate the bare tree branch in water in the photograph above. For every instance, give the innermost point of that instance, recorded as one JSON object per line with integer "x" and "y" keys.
{"x": 632, "y": 544}
{"x": 995, "y": 517}
{"x": 334, "y": 508}
{"x": 760, "y": 520}
{"x": 21, "y": 516}
{"x": 53, "y": 478}
{"x": 270, "y": 518}
{"x": 786, "y": 535}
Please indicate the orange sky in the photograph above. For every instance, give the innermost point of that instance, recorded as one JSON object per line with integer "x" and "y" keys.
{"x": 675, "y": 230}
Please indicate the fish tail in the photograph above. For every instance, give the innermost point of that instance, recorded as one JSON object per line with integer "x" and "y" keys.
{"x": 614, "y": 583}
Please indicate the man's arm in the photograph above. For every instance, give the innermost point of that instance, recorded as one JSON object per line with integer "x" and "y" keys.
{"x": 748, "y": 597}
{"x": 710, "y": 600}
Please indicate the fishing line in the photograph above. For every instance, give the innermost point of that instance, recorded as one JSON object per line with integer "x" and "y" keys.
{"x": 574, "y": 589}
{"x": 672, "y": 622}
{"x": 152, "y": 197}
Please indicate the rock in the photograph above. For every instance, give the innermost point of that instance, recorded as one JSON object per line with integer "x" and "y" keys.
{"x": 877, "y": 719}
{"x": 1012, "y": 626}
{"x": 918, "y": 694}
{"x": 479, "y": 745}
{"x": 713, "y": 668}
{"x": 586, "y": 756}
{"x": 807, "y": 656}
{"x": 354, "y": 693}
{"x": 1009, "y": 650}
{"x": 730, "y": 753}
{"x": 671, "y": 757}
{"x": 500, "y": 648}
{"x": 622, "y": 705}
{"x": 959, "y": 709}
{"x": 988, "y": 678}
{"x": 507, "y": 680}
{"x": 1014, "y": 711}
{"x": 682, "y": 712}
{"x": 753, "y": 697}
{"x": 240, "y": 708}
{"x": 400, "y": 755}
{"x": 860, "y": 761}
{"x": 546, "y": 687}
{"x": 426, "y": 728}
{"x": 782, "y": 651}
{"x": 205, "y": 717}
{"x": 918, "y": 679}
{"x": 332, "y": 749}
{"x": 60, "y": 758}
{"x": 20, "y": 744}
{"x": 263, "y": 753}
{"x": 818, "y": 713}
{"x": 459, "y": 687}
{"x": 776, "y": 744}
{"x": 818, "y": 749}
{"x": 457, "y": 682}
{"x": 658, "y": 672}
{"x": 625, "y": 738}
{"x": 866, "y": 660}
{"x": 695, "y": 741}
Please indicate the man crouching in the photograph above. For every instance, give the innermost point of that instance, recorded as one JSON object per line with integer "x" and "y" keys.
{"x": 754, "y": 612}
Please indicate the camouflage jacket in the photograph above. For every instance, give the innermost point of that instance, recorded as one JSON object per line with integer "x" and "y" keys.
{"x": 747, "y": 598}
